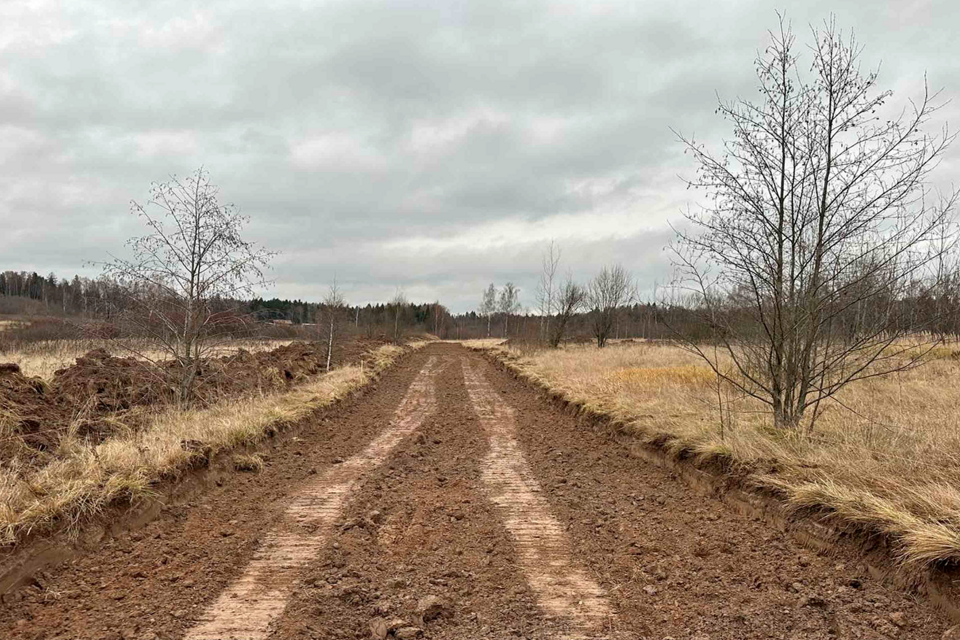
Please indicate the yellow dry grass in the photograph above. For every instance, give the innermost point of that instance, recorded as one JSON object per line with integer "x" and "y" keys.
{"x": 42, "y": 358}
{"x": 84, "y": 478}
{"x": 481, "y": 343}
{"x": 885, "y": 456}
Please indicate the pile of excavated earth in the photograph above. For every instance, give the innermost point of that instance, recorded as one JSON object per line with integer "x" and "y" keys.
{"x": 101, "y": 393}
{"x": 453, "y": 501}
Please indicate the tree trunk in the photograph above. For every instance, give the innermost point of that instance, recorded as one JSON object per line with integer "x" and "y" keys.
{"x": 330, "y": 344}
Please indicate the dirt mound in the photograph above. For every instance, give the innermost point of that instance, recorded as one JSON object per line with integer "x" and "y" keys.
{"x": 110, "y": 383}
{"x": 101, "y": 392}
{"x": 26, "y": 411}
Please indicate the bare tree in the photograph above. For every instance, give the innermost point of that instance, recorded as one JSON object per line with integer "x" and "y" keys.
{"x": 821, "y": 228}
{"x": 488, "y": 305}
{"x": 547, "y": 288}
{"x": 508, "y": 303}
{"x": 570, "y": 299}
{"x": 611, "y": 289}
{"x": 185, "y": 272}
{"x": 335, "y": 304}
{"x": 399, "y": 301}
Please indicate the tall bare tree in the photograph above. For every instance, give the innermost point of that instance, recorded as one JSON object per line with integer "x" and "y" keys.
{"x": 398, "y": 302}
{"x": 610, "y": 290}
{"x": 335, "y": 307}
{"x": 547, "y": 288}
{"x": 488, "y": 305}
{"x": 184, "y": 275}
{"x": 569, "y": 300}
{"x": 508, "y": 303}
{"x": 821, "y": 227}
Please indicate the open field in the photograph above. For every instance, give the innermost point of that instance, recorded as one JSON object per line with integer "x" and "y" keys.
{"x": 885, "y": 456}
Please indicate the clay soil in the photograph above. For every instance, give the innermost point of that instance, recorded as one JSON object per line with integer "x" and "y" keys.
{"x": 670, "y": 562}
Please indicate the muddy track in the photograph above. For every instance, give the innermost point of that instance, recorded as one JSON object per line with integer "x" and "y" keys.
{"x": 456, "y": 488}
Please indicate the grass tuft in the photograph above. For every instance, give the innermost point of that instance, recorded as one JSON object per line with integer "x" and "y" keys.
{"x": 248, "y": 462}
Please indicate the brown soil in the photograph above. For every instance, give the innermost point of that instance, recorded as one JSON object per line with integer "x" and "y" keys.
{"x": 26, "y": 406}
{"x": 100, "y": 391}
{"x": 428, "y": 522}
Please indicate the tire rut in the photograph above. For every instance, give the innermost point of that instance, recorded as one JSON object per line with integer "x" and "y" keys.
{"x": 247, "y": 608}
{"x": 423, "y": 526}
{"x": 563, "y": 589}
{"x": 678, "y": 564}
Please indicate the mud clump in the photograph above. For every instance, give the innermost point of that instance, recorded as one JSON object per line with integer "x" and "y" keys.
{"x": 26, "y": 408}
{"x": 112, "y": 384}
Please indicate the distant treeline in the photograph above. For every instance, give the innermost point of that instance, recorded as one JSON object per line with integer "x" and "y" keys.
{"x": 23, "y": 292}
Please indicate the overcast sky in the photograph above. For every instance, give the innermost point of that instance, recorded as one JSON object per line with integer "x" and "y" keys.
{"x": 435, "y": 146}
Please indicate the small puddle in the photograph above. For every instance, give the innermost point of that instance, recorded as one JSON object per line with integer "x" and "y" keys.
{"x": 246, "y": 608}
{"x": 564, "y": 591}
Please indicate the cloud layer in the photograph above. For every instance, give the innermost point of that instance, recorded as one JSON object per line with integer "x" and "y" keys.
{"x": 433, "y": 146}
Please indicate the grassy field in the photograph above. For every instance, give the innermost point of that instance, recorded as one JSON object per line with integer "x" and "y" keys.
{"x": 885, "y": 456}
{"x": 83, "y": 478}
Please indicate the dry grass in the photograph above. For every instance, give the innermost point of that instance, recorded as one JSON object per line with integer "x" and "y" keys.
{"x": 885, "y": 457}
{"x": 42, "y": 358}
{"x": 481, "y": 343}
{"x": 85, "y": 478}
{"x": 248, "y": 462}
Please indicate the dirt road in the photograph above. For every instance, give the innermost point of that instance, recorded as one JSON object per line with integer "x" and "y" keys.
{"x": 453, "y": 502}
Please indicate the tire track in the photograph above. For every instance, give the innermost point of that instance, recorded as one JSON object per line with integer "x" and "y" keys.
{"x": 245, "y": 610}
{"x": 564, "y": 590}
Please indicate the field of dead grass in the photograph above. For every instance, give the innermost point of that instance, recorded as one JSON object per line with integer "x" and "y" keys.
{"x": 84, "y": 478}
{"x": 884, "y": 458}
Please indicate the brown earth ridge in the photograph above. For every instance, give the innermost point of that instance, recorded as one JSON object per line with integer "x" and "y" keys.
{"x": 455, "y": 501}
{"x": 101, "y": 391}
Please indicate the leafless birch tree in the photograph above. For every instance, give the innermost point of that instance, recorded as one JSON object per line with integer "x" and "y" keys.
{"x": 508, "y": 303}
{"x": 488, "y": 305}
{"x": 399, "y": 301}
{"x": 183, "y": 275}
{"x": 547, "y": 288}
{"x": 570, "y": 300}
{"x": 610, "y": 290}
{"x": 335, "y": 307}
{"x": 821, "y": 228}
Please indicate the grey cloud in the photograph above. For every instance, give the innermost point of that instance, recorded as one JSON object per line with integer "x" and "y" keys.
{"x": 346, "y": 129}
